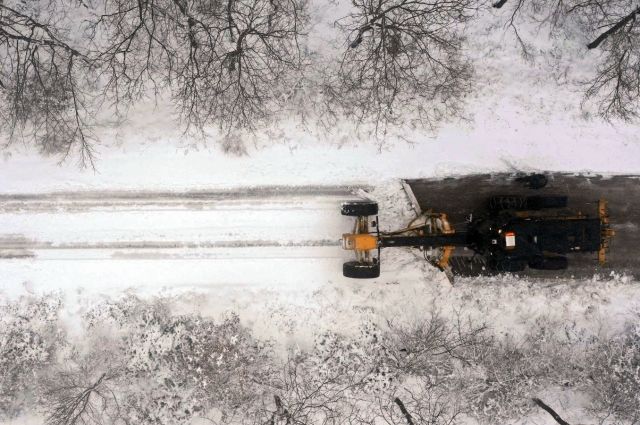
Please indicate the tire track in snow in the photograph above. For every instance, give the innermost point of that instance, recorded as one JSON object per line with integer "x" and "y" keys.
{"x": 129, "y": 223}
{"x": 253, "y": 238}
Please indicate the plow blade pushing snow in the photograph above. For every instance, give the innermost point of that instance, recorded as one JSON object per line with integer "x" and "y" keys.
{"x": 513, "y": 233}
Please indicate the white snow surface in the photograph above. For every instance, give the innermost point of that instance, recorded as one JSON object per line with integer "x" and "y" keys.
{"x": 275, "y": 261}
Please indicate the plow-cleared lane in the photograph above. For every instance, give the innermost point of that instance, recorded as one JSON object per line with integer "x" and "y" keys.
{"x": 459, "y": 197}
{"x": 121, "y": 240}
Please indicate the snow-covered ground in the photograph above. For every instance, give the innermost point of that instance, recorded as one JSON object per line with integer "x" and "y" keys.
{"x": 275, "y": 259}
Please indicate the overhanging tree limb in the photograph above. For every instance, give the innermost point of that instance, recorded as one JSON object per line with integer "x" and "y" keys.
{"x": 624, "y": 21}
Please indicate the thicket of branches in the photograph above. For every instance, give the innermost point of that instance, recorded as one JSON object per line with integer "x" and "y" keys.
{"x": 228, "y": 63}
{"x": 44, "y": 78}
{"x": 225, "y": 63}
{"x": 137, "y": 362}
{"x": 613, "y": 36}
{"x": 236, "y": 65}
{"x": 403, "y": 62}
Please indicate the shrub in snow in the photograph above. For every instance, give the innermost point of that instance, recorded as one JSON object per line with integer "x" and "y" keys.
{"x": 302, "y": 391}
{"x": 332, "y": 383}
{"x": 86, "y": 387}
{"x": 365, "y": 357}
{"x": 154, "y": 400}
{"x": 29, "y": 338}
{"x": 614, "y": 374}
{"x": 431, "y": 347}
{"x": 187, "y": 363}
{"x": 422, "y": 402}
{"x": 509, "y": 372}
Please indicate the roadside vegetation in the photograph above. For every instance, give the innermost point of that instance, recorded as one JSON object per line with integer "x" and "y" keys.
{"x": 136, "y": 361}
{"x": 235, "y": 67}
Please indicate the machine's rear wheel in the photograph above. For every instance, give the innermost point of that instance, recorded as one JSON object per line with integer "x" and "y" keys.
{"x": 499, "y": 203}
{"x": 358, "y": 270}
{"x": 509, "y": 265}
{"x": 359, "y": 208}
{"x": 521, "y": 203}
{"x": 549, "y": 263}
{"x": 541, "y": 202}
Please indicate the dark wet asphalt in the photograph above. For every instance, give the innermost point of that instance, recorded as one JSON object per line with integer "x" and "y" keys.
{"x": 464, "y": 195}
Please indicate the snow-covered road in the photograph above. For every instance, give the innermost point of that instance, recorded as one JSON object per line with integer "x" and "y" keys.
{"x": 145, "y": 221}
{"x": 115, "y": 241}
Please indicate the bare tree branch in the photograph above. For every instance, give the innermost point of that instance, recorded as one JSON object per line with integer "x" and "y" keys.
{"x": 403, "y": 61}
{"x": 44, "y": 80}
{"x": 550, "y": 411}
{"x": 620, "y": 24}
{"x": 615, "y": 85}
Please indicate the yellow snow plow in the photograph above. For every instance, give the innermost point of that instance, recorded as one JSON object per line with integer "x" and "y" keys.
{"x": 514, "y": 233}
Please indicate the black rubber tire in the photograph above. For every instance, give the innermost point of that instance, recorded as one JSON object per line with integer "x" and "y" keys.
{"x": 507, "y": 202}
{"x": 358, "y": 270}
{"x": 509, "y": 265}
{"x": 549, "y": 201}
{"x": 549, "y": 263}
{"x": 522, "y": 203}
{"x": 359, "y": 208}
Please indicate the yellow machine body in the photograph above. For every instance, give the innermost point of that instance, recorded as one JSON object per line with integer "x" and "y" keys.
{"x": 607, "y": 232}
{"x": 359, "y": 242}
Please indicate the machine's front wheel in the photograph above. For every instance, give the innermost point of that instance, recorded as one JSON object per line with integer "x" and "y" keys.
{"x": 358, "y": 270}
{"x": 549, "y": 263}
{"x": 359, "y": 208}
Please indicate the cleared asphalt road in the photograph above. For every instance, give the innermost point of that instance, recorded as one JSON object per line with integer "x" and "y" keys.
{"x": 461, "y": 196}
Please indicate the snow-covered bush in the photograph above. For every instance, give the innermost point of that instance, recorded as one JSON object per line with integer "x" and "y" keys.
{"x": 29, "y": 337}
{"x": 365, "y": 357}
{"x": 186, "y": 364}
{"x": 422, "y": 403}
{"x": 432, "y": 347}
{"x": 613, "y": 368}
{"x": 86, "y": 386}
{"x": 513, "y": 370}
{"x": 334, "y": 382}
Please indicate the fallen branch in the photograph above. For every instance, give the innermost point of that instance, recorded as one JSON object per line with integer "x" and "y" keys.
{"x": 550, "y": 411}
{"x": 404, "y": 410}
{"x": 499, "y": 4}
